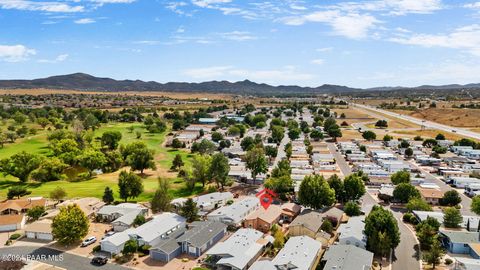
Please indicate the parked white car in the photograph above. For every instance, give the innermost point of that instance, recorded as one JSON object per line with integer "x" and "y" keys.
{"x": 89, "y": 241}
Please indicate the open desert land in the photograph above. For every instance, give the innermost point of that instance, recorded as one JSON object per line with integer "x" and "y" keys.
{"x": 465, "y": 118}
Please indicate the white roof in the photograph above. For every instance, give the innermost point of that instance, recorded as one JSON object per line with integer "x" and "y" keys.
{"x": 300, "y": 251}
{"x": 236, "y": 211}
{"x": 158, "y": 226}
{"x": 352, "y": 229}
{"x": 119, "y": 238}
{"x": 122, "y": 208}
{"x": 239, "y": 249}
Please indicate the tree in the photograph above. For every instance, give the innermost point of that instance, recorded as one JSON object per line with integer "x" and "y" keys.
{"x": 255, "y": 161}
{"x": 200, "y": 168}
{"x": 451, "y": 198}
{"x": 404, "y": 144}
{"x": 271, "y": 151}
{"x": 435, "y": 253}
{"x": 475, "y": 206}
{"x": 66, "y": 149}
{"x": 139, "y": 220}
{"x": 426, "y": 232}
{"x": 35, "y": 212}
{"x": 189, "y": 210}
{"x": 130, "y": 185}
{"x": 404, "y": 192}
{"x": 217, "y": 136}
{"x": 278, "y": 132}
{"x": 58, "y": 194}
{"x": 452, "y": 217}
{"x": 219, "y": 169}
{"x": 337, "y": 184}
{"x": 110, "y": 139}
{"x": 141, "y": 159}
{"x": 294, "y": 133}
{"x": 440, "y": 137}
{"x": 176, "y": 143}
{"x": 204, "y": 147}
{"x": 418, "y": 204}
{"x": 352, "y": 209}
{"x": 315, "y": 192}
{"x": 108, "y": 195}
{"x": 354, "y": 187}
{"x": 91, "y": 121}
{"x": 409, "y": 152}
{"x": 279, "y": 239}
{"x": 280, "y": 185}
{"x": 43, "y": 122}
{"x": 20, "y": 165}
{"x": 369, "y": 135}
{"x": 19, "y": 118}
{"x": 387, "y": 138}
{"x": 17, "y": 191}
{"x": 161, "y": 199}
{"x": 316, "y": 135}
{"x": 381, "y": 230}
{"x": 247, "y": 143}
{"x": 130, "y": 247}
{"x": 327, "y": 226}
{"x": 381, "y": 123}
{"x": 70, "y": 224}
{"x": 91, "y": 160}
{"x": 430, "y": 143}
{"x": 50, "y": 169}
{"x": 177, "y": 163}
{"x": 334, "y": 132}
{"x": 400, "y": 177}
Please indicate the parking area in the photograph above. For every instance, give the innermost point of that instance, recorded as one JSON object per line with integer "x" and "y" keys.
{"x": 96, "y": 229}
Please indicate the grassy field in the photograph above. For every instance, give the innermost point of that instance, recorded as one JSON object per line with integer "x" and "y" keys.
{"x": 96, "y": 186}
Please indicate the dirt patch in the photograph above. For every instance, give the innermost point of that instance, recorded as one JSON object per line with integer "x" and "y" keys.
{"x": 448, "y": 116}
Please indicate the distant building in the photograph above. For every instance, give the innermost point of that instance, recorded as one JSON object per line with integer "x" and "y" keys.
{"x": 235, "y": 213}
{"x": 346, "y": 257}
{"x": 122, "y": 215}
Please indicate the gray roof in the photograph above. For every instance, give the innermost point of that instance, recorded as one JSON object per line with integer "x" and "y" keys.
{"x": 300, "y": 251}
{"x": 461, "y": 236}
{"x": 160, "y": 225}
{"x": 170, "y": 244}
{"x": 353, "y": 228}
{"x": 312, "y": 220}
{"x": 471, "y": 221}
{"x": 347, "y": 257}
{"x": 122, "y": 208}
{"x": 129, "y": 217}
{"x": 235, "y": 212}
{"x": 201, "y": 232}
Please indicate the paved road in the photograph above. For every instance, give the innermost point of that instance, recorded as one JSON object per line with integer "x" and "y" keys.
{"x": 466, "y": 201}
{"x": 69, "y": 261}
{"x": 281, "y": 150}
{"x": 342, "y": 163}
{"x": 428, "y": 124}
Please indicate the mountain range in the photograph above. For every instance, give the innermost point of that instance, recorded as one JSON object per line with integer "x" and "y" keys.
{"x": 86, "y": 82}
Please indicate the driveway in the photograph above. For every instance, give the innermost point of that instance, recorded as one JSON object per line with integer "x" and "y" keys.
{"x": 56, "y": 258}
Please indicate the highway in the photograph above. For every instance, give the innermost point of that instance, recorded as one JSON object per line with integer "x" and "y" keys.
{"x": 420, "y": 122}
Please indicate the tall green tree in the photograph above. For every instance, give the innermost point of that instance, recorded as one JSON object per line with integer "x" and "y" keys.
{"x": 130, "y": 185}
{"x": 110, "y": 139}
{"x": 404, "y": 192}
{"x": 400, "y": 177}
{"x": 35, "y": 212}
{"x": 381, "y": 230}
{"x": 369, "y": 135}
{"x": 161, "y": 199}
{"x": 315, "y": 192}
{"x": 91, "y": 160}
{"x": 20, "y": 165}
{"x": 141, "y": 159}
{"x": 452, "y": 217}
{"x": 200, "y": 168}
{"x": 17, "y": 191}
{"x": 426, "y": 231}
{"x": 108, "y": 196}
{"x": 475, "y": 206}
{"x": 278, "y": 132}
{"x": 189, "y": 210}
{"x": 177, "y": 162}
{"x": 256, "y": 162}
{"x": 337, "y": 184}
{"x": 354, "y": 187}
{"x": 435, "y": 253}
{"x": 451, "y": 198}
{"x": 70, "y": 225}
{"x": 58, "y": 194}
{"x": 219, "y": 170}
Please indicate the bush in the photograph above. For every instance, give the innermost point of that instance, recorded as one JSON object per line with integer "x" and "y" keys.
{"x": 407, "y": 217}
{"x": 448, "y": 261}
{"x": 15, "y": 236}
{"x": 97, "y": 248}
{"x": 352, "y": 209}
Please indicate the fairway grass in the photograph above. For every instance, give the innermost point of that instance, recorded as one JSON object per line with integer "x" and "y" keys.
{"x": 96, "y": 186}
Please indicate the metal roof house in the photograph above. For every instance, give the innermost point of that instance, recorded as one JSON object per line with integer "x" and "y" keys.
{"x": 208, "y": 201}
{"x": 235, "y": 213}
{"x": 300, "y": 253}
{"x": 122, "y": 215}
{"x": 347, "y": 257}
{"x": 193, "y": 240}
{"x": 351, "y": 233}
{"x": 239, "y": 251}
{"x": 150, "y": 233}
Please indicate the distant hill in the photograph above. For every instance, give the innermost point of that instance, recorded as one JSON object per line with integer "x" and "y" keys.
{"x": 86, "y": 82}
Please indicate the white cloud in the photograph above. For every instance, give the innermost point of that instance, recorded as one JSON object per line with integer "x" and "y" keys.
{"x": 40, "y": 6}
{"x": 84, "y": 21}
{"x": 15, "y": 53}
{"x": 318, "y": 61}
{"x": 113, "y": 1}
{"x": 325, "y": 49}
{"x": 238, "y": 36}
{"x": 472, "y": 5}
{"x": 465, "y": 38}
{"x": 350, "y": 25}
{"x": 59, "y": 58}
{"x": 287, "y": 74}
{"x": 209, "y": 3}
{"x": 393, "y": 7}
{"x": 147, "y": 42}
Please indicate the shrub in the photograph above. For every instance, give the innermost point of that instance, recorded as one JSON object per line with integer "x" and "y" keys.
{"x": 15, "y": 236}
{"x": 407, "y": 217}
{"x": 97, "y": 248}
{"x": 448, "y": 261}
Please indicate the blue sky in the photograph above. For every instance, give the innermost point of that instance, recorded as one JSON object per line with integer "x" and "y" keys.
{"x": 358, "y": 43}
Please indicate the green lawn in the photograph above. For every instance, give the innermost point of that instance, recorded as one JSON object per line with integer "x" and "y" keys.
{"x": 95, "y": 187}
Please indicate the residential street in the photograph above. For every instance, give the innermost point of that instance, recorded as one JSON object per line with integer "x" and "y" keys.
{"x": 69, "y": 261}
{"x": 340, "y": 159}
{"x": 406, "y": 255}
